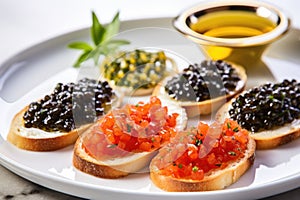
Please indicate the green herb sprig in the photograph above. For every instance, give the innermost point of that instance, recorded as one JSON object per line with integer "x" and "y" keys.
{"x": 103, "y": 42}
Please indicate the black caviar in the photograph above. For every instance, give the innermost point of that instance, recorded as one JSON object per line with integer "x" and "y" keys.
{"x": 69, "y": 104}
{"x": 203, "y": 81}
{"x": 267, "y": 106}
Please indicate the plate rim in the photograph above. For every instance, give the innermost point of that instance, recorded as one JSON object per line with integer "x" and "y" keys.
{"x": 231, "y": 193}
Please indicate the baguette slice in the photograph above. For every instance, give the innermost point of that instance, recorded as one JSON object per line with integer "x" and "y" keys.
{"x": 114, "y": 168}
{"x": 121, "y": 166}
{"x": 270, "y": 138}
{"x": 171, "y": 68}
{"x": 207, "y": 106}
{"x": 216, "y": 179}
{"x": 34, "y": 139}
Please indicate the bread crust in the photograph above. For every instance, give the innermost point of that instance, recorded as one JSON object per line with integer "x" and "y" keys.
{"x": 267, "y": 139}
{"x": 215, "y": 180}
{"x": 273, "y": 142}
{"x": 84, "y": 162}
{"x": 207, "y": 106}
{"x": 37, "y": 143}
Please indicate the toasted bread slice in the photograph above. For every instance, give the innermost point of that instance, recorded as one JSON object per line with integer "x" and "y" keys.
{"x": 114, "y": 168}
{"x": 34, "y": 139}
{"x": 120, "y": 166}
{"x": 215, "y": 179}
{"x": 207, "y": 106}
{"x": 267, "y": 139}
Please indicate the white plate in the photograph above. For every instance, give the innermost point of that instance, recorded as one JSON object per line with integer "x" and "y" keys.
{"x": 45, "y": 64}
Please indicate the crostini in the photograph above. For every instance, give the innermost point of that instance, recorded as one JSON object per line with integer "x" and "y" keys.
{"x": 57, "y": 120}
{"x": 125, "y": 140}
{"x": 271, "y": 112}
{"x": 203, "y": 158}
{"x": 203, "y": 88}
{"x": 137, "y": 72}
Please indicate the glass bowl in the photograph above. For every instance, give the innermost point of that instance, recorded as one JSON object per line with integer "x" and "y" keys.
{"x": 237, "y": 31}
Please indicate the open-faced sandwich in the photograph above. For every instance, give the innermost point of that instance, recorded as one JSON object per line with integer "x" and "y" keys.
{"x": 56, "y": 120}
{"x": 271, "y": 112}
{"x": 203, "y": 158}
{"x": 137, "y": 72}
{"x": 203, "y": 88}
{"x": 124, "y": 140}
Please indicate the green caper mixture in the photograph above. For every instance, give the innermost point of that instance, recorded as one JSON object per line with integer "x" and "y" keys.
{"x": 137, "y": 69}
{"x": 70, "y": 103}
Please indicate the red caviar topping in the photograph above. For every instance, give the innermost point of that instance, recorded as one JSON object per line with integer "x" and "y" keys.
{"x": 197, "y": 151}
{"x": 143, "y": 127}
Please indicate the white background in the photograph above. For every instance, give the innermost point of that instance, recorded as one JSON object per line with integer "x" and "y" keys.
{"x": 24, "y": 23}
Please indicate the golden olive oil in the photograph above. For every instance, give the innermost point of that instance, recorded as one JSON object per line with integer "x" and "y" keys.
{"x": 232, "y": 24}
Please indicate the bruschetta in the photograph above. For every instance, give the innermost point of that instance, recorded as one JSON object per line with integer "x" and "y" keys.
{"x": 57, "y": 120}
{"x": 203, "y": 158}
{"x": 137, "y": 72}
{"x": 125, "y": 140}
{"x": 271, "y": 113}
{"x": 203, "y": 88}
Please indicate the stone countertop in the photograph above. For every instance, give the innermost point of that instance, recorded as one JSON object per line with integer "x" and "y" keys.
{"x": 17, "y": 188}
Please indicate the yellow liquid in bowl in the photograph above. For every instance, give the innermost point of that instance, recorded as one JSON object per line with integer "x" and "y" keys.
{"x": 232, "y": 24}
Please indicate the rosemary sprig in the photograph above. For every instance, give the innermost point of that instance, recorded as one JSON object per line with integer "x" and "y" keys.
{"x": 103, "y": 42}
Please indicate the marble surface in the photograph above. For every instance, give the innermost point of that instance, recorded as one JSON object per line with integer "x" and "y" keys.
{"x": 16, "y": 188}
{"x": 25, "y": 23}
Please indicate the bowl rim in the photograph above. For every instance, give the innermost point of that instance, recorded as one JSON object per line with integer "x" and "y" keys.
{"x": 179, "y": 23}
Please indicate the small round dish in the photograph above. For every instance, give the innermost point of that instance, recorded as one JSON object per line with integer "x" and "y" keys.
{"x": 237, "y": 31}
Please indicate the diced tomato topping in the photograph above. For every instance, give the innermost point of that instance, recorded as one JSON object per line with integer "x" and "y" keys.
{"x": 143, "y": 127}
{"x": 192, "y": 152}
{"x": 196, "y": 151}
{"x": 197, "y": 174}
{"x": 145, "y": 146}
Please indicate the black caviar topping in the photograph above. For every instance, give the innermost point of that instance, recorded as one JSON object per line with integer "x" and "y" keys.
{"x": 267, "y": 106}
{"x": 70, "y": 103}
{"x": 204, "y": 81}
